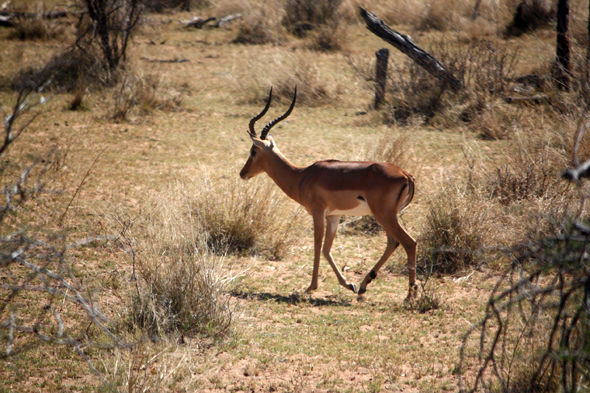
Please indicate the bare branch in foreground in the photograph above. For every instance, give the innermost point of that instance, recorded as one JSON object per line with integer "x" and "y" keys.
{"x": 534, "y": 332}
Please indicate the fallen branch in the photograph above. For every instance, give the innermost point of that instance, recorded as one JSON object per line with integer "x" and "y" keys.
{"x": 6, "y": 21}
{"x": 226, "y": 20}
{"x": 183, "y": 60}
{"x": 197, "y": 22}
{"x": 41, "y": 15}
{"x": 537, "y": 99}
{"x": 405, "y": 45}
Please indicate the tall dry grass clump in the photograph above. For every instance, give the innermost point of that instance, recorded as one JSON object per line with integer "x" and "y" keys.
{"x": 245, "y": 218}
{"x": 182, "y": 238}
{"x": 260, "y": 24}
{"x": 36, "y": 29}
{"x": 453, "y": 233}
{"x": 181, "y": 287}
{"x": 320, "y": 20}
{"x": 531, "y": 168}
{"x": 140, "y": 95}
{"x": 283, "y": 71}
{"x": 392, "y": 147}
{"x": 314, "y": 12}
{"x": 183, "y": 291}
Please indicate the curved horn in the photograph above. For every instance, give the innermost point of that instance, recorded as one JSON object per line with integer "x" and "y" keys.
{"x": 256, "y": 118}
{"x": 278, "y": 119}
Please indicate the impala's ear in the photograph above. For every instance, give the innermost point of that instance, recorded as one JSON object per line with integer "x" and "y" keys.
{"x": 257, "y": 141}
{"x": 271, "y": 140}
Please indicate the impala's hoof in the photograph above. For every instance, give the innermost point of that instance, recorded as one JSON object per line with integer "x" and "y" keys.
{"x": 412, "y": 293}
{"x": 353, "y": 288}
{"x": 310, "y": 289}
{"x": 362, "y": 290}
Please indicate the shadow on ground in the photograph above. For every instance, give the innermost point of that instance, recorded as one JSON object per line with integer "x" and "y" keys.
{"x": 294, "y": 298}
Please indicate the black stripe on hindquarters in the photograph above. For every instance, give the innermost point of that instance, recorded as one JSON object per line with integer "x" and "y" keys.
{"x": 361, "y": 198}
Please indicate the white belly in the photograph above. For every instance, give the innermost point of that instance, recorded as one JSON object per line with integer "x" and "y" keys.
{"x": 361, "y": 210}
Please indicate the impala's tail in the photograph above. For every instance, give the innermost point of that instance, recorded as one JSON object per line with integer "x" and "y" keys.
{"x": 408, "y": 190}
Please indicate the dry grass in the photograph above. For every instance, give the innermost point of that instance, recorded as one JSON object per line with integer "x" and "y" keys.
{"x": 36, "y": 29}
{"x": 138, "y": 96}
{"x": 259, "y": 25}
{"x": 181, "y": 285}
{"x": 283, "y": 72}
{"x": 192, "y": 236}
{"x": 231, "y": 216}
{"x": 329, "y": 38}
{"x": 182, "y": 238}
{"x": 453, "y": 233}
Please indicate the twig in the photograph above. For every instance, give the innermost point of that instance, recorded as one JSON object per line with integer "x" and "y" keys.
{"x": 61, "y": 219}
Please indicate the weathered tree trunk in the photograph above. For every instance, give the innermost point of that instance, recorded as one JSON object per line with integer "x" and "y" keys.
{"x": 405, "y": 44}
{"x": 562, "y": 68}
{"x": 381, "y": 76}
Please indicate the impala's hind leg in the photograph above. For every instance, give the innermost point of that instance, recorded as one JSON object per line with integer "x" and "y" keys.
{"x": 391, "y": 246}
{"x": 331, "y": 228}
{"x": 395, "y": 235}
{"x": 394, "y": 229}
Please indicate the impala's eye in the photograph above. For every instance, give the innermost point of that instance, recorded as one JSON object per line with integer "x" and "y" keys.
{"x": 252, "y": 152}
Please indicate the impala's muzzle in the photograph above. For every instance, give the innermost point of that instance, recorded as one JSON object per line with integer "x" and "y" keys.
{"x": 244, "y": 171}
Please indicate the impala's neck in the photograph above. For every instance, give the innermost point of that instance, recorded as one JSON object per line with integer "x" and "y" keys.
{"x": 286, "y": 175}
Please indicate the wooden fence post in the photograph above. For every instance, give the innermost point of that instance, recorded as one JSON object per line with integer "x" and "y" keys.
{"x": 381, "y": 76}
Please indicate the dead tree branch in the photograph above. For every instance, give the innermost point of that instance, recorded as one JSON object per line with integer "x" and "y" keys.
{"x": 406, "y": 46}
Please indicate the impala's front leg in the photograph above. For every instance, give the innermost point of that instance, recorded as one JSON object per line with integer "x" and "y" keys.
{"x": 318, "y": 235}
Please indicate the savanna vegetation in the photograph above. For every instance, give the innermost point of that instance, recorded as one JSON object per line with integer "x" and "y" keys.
{"x": 133, "y": 258}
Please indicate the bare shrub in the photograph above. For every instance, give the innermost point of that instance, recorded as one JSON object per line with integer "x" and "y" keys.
{"x": 453, "y": 233}
{"x": 42, "y": 299}
{"x": 483, "y": 68}
{"x": 36, "y": 29}
{"x": 530, "y": 15}
{"x": 534, "y": 334}
{"x": 68, "y": 70}
{"x": 516, "y": 184}
{"x": 112, "y": 24}
{"x": 184, "y": 5}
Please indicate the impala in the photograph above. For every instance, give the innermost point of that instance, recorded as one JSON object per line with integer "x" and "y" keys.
{"x": 329, "y": 189}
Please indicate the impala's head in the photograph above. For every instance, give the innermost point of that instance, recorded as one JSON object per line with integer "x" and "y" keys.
{"x": 262, "y": 146}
